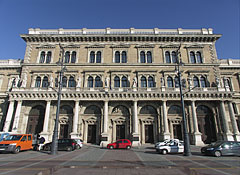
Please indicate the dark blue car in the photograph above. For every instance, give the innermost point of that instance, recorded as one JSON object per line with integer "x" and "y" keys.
{"x": 221, "y": 148}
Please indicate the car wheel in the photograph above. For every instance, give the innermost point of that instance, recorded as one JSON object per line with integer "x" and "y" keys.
{"x": 111, "y": 147}
{"x": 164, "y": 151}
{"x": 47, "y": 148}
{"x": 128, "y": 147}
{"x": 78, "y": 147}
{"x": 69, "y": 148}
{"x": 17, "y": 150}
{"x": 217, "y": 153}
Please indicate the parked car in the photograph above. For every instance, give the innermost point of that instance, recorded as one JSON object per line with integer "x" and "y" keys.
{"x": 221, "y": 148}
{"x": 122, "y": 143}
{"x": 79, "y": 143}
{"x": 166, "y": 141}
{"x": 3, "y": 135}
{"x": 171, "y": 147}
{"x": 16, "y": 142}
{"x": 63, "y": 144}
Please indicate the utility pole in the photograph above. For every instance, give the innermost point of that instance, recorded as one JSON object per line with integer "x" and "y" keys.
{"x": 187, "y": 151}
{"x": 54, "y": 146}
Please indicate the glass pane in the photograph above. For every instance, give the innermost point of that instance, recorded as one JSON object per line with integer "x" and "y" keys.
{"x": 98, "y": 59}
{"x": 170, "y": 82}
{"x": 176, "y": 82}
{"x": 142, "y": 57}
{"x": 45, "y": 82}
{"x": 49, "y": 55}
{"x": 203, "y": 82}
{"x": 42, "y": 57}
{"x": 90, "y": 81}
{"x": 71, "y": 82}
{"x": 98, "y": 82}
{"x": 143, "y": 82}
{"x": 167, "y": 57}
{"x": 73, "y": 59}
{"x": 64, "y": 82}
{"x": 67, "y": 57}
{"x": 124, "y": 82}
{"x": 174, "y": 57}
{"x": 195, "y": 82}
{"x": 199, "y": 57}
{"x": 192, "y": 57}
{"x": 151, "y": 82}
{"x": 124, "y": 57}
{"x": 117, "y": 57}
{"x": 38, "y": 82}
{"x": 92, "y": 57}
{"x": 117, "y": 82}
{"x": 149, "y": 57}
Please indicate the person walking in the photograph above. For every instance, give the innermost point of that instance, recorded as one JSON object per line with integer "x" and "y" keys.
{"x": 41, "y": 143}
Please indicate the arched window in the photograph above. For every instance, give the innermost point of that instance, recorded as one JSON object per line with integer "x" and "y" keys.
{"x": 124, "y": 81}
{"x": 124, "y": 57}
{"x": 49, "y": 55}
{"x": 38, "y": 82}
{"x": 174, "y": 57}
{"x": 149, "y": 57}
{"x": 203, "y": 82}
{"x": 92, "y": 57}
{"x": 142, "y": 57}
{"x": 116, "y": 81}
{"x": 90, "y": 82}
{"x": 148, "y": 110}
{"x": 192, "y": 57}
{"x": 167, "y": 57}
{"x": 175, "y": 110}
{"x": 98, "y": 59}
{"x": 45, "y": 82}
{"x": 64, "y": 81}
{"x": 71, "y": 82}
{"x": 73, "y": 59}
{"x": 170, "y": 82}
{"x": 199, "y": 57}
{"x": 176, "y": 80}
{"x": 117, "y": 57}
{"x": 67, "y": 57}
{"x": 98, "y": 82}
{"x": 195, "y": 82}
{"x": 42, "y": 57}
{"x": 151, "y": 82}
{"x": 143, "y": 82}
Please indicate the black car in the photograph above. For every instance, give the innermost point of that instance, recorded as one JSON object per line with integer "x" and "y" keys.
{"x": 63, "y": 144}
{"x": 221, "y": 148}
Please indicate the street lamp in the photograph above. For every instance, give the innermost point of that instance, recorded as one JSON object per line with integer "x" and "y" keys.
{"x": 187, "y": 151}
{"x": 54, "y": 146}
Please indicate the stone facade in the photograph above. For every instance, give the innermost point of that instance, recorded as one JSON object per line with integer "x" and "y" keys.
{"x": 121, "y": 83}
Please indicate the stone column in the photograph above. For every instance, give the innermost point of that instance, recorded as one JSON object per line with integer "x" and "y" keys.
{"x": 114, "y": 131}
{"x": 74, "y": 133}
{"x": 135, "y": 134}
{"x": 143, "y": 133}
{"x": 45, "y": 132}
{"x": 85, "y": 132}
{"x": 104, "y": 139}
{"x": 227, "y": 134}
{"x": 9, "y": 116}
{"x": 236, "y": 133}
{"x": 17, "y": 116}
{"x": 197, "y": 136}
{"x": 166, "y": 134}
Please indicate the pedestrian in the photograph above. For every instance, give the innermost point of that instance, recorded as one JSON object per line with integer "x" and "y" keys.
{"x": 41, "y": 142}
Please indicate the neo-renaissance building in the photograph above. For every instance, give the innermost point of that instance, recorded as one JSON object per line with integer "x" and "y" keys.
{"x": 121, "y": 83}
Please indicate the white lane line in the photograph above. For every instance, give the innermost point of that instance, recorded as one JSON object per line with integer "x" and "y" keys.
{"x": 33, "y": 164}
{"x": 200, "y": 164}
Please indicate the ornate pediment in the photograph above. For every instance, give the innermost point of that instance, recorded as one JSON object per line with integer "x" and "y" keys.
{"x": 96, "y": 46}
{"x": 145, "y": 46}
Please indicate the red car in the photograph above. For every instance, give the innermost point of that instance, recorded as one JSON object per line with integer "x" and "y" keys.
{"x": 122, "y": 143}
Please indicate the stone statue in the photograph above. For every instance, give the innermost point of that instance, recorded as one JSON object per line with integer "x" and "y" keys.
{"x": 17, "y": 79}
{"x": 190, "y": 82}
{"x": 107, "y": 81}
{"x": 134, "y": 85}
{"x": 162, "y": 81}
{"x": 217, "y": 82}
{"x": 79, "y": 82}
{"x": 51, "y": 81}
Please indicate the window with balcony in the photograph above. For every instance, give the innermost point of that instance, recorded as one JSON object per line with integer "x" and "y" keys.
{"x": 169, "y": 81}
{"x": 143, "y": 82}
{"x": 196, "y": 82}
{"x": 64, "y": 81}
{"x": 151, "y": 82}
{"x": 71, "y": 82}
{"x": 176, "y": 80}
{"x": 124, "y": 81}
{"x": 98, "y": 82}
{"x": 203, "y": 82}
{"x": 116, "y": 82}
{"x": 90, "y": 82}
{"x": 45, "y": 82}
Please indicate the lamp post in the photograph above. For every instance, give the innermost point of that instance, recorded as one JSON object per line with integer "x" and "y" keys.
{"x": 54, "y": 146}
{"x": 187, "y": 151}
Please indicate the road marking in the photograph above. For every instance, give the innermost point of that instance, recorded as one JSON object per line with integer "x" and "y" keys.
{"x": 213, "y": 168}
{"x": 219, "y": 171}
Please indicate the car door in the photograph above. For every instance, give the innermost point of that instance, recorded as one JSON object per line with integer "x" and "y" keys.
{"x": 226, "y": 148}
{"x": 119, "y": 144}
{"x": 173, "y": 147}
{"x": 29, "y": 142}
{"x": 24, "y": 143}
{"x": 60, "y": 144}
{"x": 236, "y": 148}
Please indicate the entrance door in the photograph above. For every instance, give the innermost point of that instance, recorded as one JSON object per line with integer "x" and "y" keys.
{"x": 64, "y": 134}
{"x": 91, "y": 134}
{"x": 120, "y": 132}
{"x": 177, "y": 131}
{"x": 149, "y": 134}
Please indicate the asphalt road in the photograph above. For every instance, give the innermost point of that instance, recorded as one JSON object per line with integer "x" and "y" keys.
{"x": 91, "y": 160}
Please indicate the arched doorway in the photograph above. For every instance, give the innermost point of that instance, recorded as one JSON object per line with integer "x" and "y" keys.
{"x": 175, "y": 115}
{"x": 35, "y": 120}
{"x": 206, "y": 124}
{"x": 121, "y": 125}
{"x": 149, "y": 120}
{"x": 65, "y": 120}
{"x": 93, "y": 114}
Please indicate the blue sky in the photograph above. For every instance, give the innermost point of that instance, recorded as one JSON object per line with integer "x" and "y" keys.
{"x": 16, "y": 16}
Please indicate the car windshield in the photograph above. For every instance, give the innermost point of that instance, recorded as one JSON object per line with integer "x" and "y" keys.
{"x": 13, "y": 137}
{"x": 216, "y": 143}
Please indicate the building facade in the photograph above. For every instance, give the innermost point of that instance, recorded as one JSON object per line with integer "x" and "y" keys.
{"x": 121, "y": 83}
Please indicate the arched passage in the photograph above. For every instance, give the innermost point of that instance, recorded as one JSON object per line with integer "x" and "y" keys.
{"x": 175, "y": 113}
{"x": 65, "y": 119}
{"x": 206, "y": 124}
